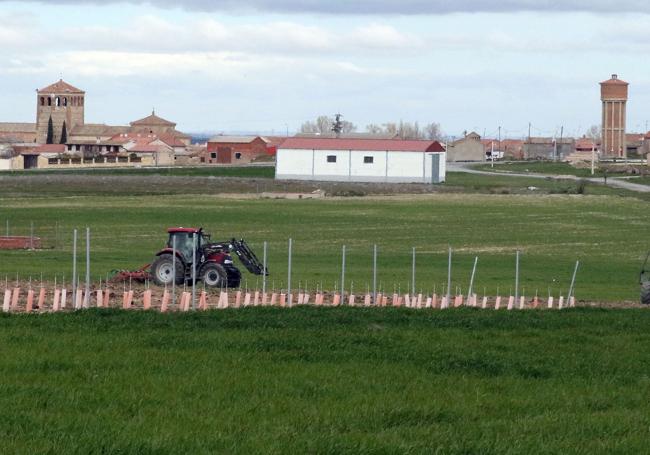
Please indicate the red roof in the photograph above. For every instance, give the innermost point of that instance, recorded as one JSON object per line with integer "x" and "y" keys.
{"x": 614, "y": 81}
{"x": 49, "y": 148}
{"x": 586, "y": 144}
{"x": 60, "y": 87}
{"x": 393, "y": 145}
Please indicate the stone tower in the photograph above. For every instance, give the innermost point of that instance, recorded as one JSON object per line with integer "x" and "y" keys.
{"x": 62, "y": 102}
{"x": 613, "y": 94}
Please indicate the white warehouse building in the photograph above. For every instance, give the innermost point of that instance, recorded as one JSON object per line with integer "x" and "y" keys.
{"x": 361, "y": 160}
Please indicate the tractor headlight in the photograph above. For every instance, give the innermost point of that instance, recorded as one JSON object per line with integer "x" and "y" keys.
{"x": 228, "y": 261}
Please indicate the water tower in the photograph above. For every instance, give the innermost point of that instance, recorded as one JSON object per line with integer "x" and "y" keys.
{"x": 613, "y": 94}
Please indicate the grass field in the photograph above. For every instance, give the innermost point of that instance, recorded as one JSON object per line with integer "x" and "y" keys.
{"x": 331, "y": 381}
{"x": 608, "y": 234}
{"x": 538, "y": 167}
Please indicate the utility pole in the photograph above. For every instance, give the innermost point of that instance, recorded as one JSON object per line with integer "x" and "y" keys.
{"x": 499, "y": 139}
{"x": 561, "y": 136}
{"x": 529, "y": 125}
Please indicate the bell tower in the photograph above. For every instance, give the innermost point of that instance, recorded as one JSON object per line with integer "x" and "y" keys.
{"x": 63, "y": 103}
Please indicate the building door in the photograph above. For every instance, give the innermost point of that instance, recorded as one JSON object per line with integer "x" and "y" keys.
{"x": 224, "y": 155}
{"x": 435, "y": 168}
{"x": 30, "y": 161}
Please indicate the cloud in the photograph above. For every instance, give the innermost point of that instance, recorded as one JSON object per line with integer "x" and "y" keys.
{"x": 379, "y": 7}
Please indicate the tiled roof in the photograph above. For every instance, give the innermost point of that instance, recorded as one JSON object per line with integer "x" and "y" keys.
{"x": 97, "y": 129}
{"x": 152, "y": 120}
{"x": 350, "y": 135}
{"x": 50, "y": 148}
{"x": 60, "y": 87}
{"x": 584, "y": 143}
{"x": 17, "y": 127}
{"x": 222, "y": 139}
{"x": 393, "y": 145}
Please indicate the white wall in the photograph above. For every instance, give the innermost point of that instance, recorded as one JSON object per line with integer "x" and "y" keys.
{"x": 350, "y": 166}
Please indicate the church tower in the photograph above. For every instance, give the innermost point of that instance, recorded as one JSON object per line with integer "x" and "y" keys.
{"x": 62, "y": 103}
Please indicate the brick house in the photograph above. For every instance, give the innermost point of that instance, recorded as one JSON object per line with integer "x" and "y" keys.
{"x": 235, "y": 149}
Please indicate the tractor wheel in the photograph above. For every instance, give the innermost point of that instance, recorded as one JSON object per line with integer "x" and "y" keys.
{"x": 645, "y": 293}
{"x": 162, "y": 270}
{"x": 214, "y": 275}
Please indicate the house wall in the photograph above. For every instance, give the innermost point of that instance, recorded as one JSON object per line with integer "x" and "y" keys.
{"x": 350, "y": 166}
{"x": 466, "y": 150}
{"x": 545, "y": 151}
{"x": 240, "y": 153}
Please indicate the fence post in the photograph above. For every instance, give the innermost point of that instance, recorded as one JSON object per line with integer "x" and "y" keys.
{"x": 471, "y": 280}
{"x": 194, "y": 244}
{"x": 174, "y": 270}
{"x": 449, "y": 276}
{"x": 74, "y": 263}
{"x": 374, "y": 275}
{"x": 87, "y": 296}
{"x": 343, "y": 275}
{"x": 573, "y": 281}
{"x": 413, "y": 272}
{"x": 264, "y": 269}
{"x": 517, "y": 278}
{"x": 289, "y": 272}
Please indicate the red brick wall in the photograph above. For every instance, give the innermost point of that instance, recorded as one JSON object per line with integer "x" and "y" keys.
{"x": 19, "y": 243}
{"x": 245, "y": 152}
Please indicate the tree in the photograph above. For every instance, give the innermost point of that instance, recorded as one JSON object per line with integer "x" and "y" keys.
{"x": 64, "y": 134}
{"x": 593, "y": 132}
{"x": 323, "y": 125}
{"x": 50, "y": 132}
{"x": 432, "y": 131}
{"x": 407, "y": 130}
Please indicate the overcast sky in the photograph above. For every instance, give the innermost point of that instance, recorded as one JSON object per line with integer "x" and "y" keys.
{"x": 268, "y": 65}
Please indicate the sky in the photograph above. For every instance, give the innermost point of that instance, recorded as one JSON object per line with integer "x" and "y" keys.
{"x": 269, "y": 65}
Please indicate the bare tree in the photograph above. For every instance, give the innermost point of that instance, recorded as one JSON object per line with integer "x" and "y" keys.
{"x": 323, "y": 125}
{"x": 432, "y": 131}
{"x": 593, "y": 132}
{"x": 407, "y": 130}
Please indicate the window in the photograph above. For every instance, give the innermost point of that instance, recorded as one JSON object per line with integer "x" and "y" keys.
{"x": 42, "y": 101}
{"x": 331, "y": 158}
{"x": 237, "y": 156}
{"x": 368, "y": 159}
{"x": 213, "y": 155}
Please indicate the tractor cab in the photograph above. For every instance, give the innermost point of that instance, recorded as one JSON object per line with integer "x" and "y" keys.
{"x": 183, "y": 240}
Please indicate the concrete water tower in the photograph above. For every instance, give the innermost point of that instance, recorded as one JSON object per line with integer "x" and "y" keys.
{"x": 613, "y": 94}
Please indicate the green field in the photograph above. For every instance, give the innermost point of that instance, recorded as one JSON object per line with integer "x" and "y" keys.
{"x": 538, "y": 167}
{"x": 607, "y": 233}
{"x": 333, "y": 381}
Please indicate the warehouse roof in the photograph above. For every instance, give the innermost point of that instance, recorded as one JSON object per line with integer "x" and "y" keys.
{"x": 393, "y": 145}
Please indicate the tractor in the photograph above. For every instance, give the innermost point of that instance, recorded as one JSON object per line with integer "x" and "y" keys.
{"x": 644, "y": 281}
{"x": 214, "y": 263}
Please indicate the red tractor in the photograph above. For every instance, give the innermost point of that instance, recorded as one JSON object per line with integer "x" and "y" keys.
{"x": 214, "y": 264}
